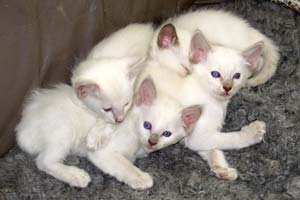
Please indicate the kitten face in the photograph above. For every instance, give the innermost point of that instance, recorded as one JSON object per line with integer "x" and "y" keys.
{"x": 223, "y": 72}
{"x": 105, "y": 86}
{"x": 112, "y": 107}
{"x": 159, "y": 125}
{"x": 226, "y": 70}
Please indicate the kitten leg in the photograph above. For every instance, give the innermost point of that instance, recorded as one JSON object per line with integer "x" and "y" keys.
{"x": 247, "y": 136}
{"x": 218, "y": 164}
{"x": 51, "y": 162}
{"x": 117, "y": 165}
{"x": 99, "y": 135}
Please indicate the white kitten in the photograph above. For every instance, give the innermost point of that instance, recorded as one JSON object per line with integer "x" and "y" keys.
{"x": 54, "y": 124}
{"x": 105, "y": 80}
{"x": 219, "y": 74}
{"x": 105, "y": 85}
{"x": 220, "y": 28}
{"x": 55, "y": 121}
{"x": 154, "y": 122}
{"x": 222, "y": 72}
{"x": 131, "y": 41}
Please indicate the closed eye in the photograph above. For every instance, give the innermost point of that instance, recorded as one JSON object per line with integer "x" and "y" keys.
{"x": 188, "y": 71}
{"x": 107, "y": 109}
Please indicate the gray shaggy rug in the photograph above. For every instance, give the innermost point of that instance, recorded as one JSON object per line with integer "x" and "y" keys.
{"x": 270, "y": 170}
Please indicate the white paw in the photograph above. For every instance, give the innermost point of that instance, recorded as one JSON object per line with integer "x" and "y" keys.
{"x": 78, "y": 177}
{"x": 257, "y": 129}
{"x": 225, "y": 173}
{"x": 141, "y": 181}
{"x": 96, "y": 141}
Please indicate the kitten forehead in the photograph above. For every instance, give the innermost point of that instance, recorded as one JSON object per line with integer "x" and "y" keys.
{"x": 225, "y": 57}
{"x": 99, "y": 68}
{"x": 165, "y": 112}
{"x": 109, "y": 74}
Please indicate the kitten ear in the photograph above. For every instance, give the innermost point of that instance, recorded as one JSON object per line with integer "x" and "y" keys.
{"x": 85, "y": 89}
{"x": 199, "y": 48}
{"x": 252, "y": 54}
{"x": 190, "y": 115}
{"x": 135, "y": 67}
{"x": 146, "y": 93}
{"x": 167, "y": 36}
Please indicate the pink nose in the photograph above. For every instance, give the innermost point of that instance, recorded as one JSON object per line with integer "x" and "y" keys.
{"x": 119, "y": 119}
{"x": 227, "y": 89}
{"x": 151, "y": 143}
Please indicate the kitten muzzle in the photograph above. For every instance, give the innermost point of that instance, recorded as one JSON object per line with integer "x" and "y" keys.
{"x": 119, "y": 119}
{"x": 153, "y": 139}
{"x": 227, "y": 86}
{"x": 119, "y": 115}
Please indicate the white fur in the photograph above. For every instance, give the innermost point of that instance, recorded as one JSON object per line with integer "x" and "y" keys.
{"x": 225, "y": 29}
{"x": 55, "y": 122}
{"x": 176, "y": 59}
{"x": 130, "y": 41}
{"x": 131, "y": 140}
{"x": 111, "y": 76}
{"x": 201, "y": 88}
{"x": 113, "y": 65}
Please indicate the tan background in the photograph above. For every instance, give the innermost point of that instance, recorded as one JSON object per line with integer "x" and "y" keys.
{"x": 41, "y": 40}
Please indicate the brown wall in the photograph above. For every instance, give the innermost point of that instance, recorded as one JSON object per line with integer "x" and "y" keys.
{"x": 41, "y": 40}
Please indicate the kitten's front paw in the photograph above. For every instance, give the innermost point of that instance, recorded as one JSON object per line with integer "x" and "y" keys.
{"x": 78, "y": 178}
{"x": 257, "y": 129}
{"x": 96, "y": 141}
{"x": 141, "y": 181}
{"x": 227, "y": 173}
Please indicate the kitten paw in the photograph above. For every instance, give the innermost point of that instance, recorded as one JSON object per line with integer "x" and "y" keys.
{"x": 96, "y": 141}
{"x": 224, "y": 173}
{"x": 257, "y": 129}
{"x": 141, "y": 181}
{"x": 78, "y": 178}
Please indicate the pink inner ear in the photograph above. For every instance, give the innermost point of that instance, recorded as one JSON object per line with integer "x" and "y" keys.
{"x": 198, "y": 55}
{"x": 252, "y": 54}
{"x": 167, "y": 36}
{"x": 190, "y": 115}
{"x": 146, "y": 93}
{"x": 85, "y": 90}
{"x": 165, "y": 42}
{"x": 199, "y": 48}
{"x": 188, "y": 120}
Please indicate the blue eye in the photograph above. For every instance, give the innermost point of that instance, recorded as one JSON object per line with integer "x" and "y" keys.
{"x": 147, "y": 125}
{"x": 167, "y": 133}
{"x": 236, "y": 75}
{"x": 215, "y": 74}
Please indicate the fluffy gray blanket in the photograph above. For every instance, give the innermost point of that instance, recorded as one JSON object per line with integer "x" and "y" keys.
{"x": 269, "y": 170}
